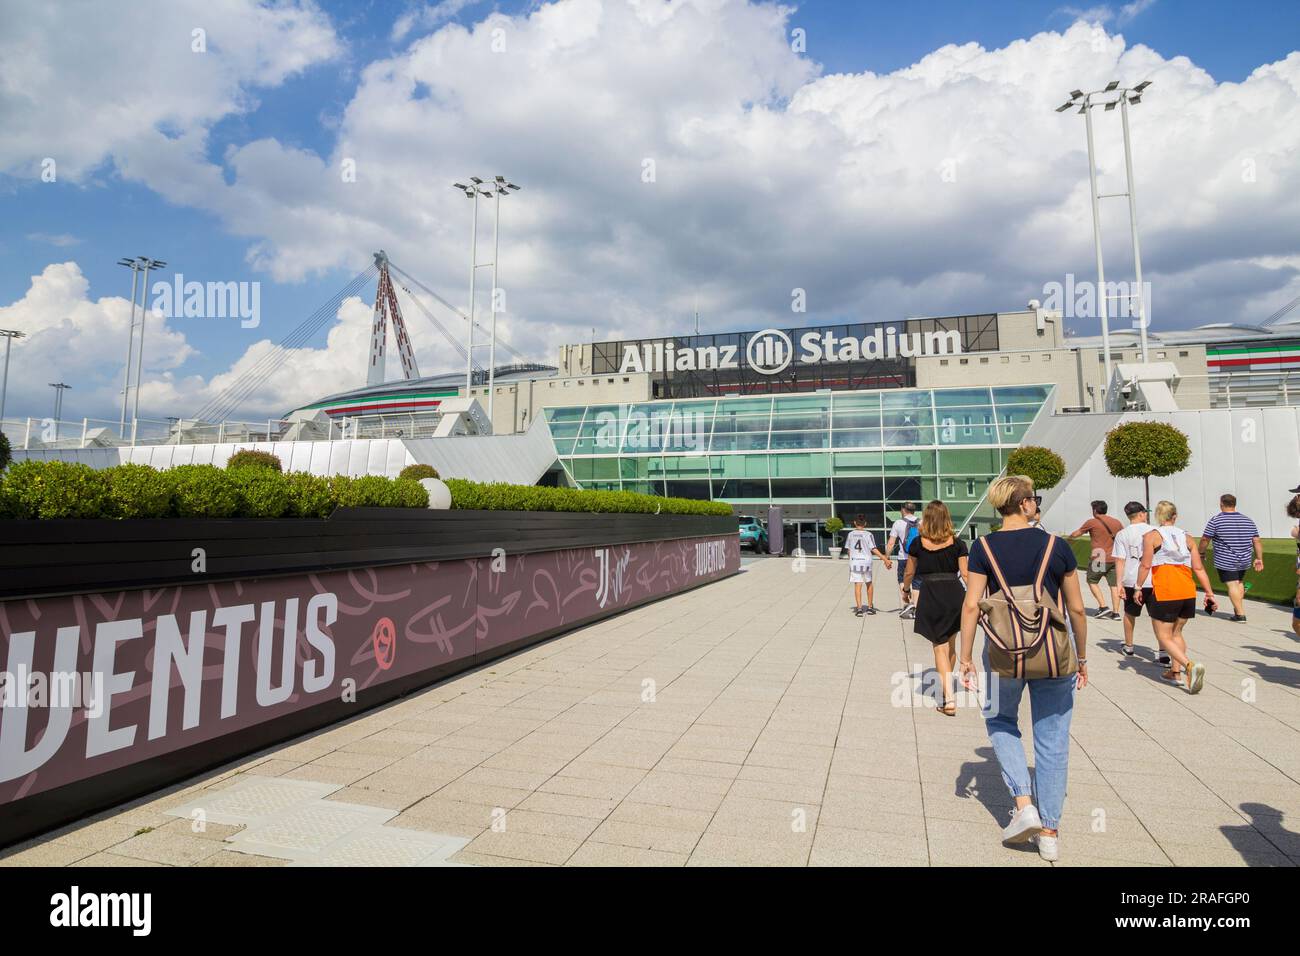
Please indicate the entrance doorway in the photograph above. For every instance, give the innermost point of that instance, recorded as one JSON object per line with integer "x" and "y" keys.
{"x": 808, "y": 535}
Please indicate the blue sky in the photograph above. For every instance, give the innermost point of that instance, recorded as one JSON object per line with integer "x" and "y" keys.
{"x": 102, "y": 213}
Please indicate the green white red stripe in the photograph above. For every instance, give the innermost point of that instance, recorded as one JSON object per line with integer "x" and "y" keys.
{"x": 385, "y": 404}
{"x": 1256, "y": 357}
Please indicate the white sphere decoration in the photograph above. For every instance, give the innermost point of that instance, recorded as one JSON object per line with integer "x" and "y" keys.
{"x": 439, "y": 493}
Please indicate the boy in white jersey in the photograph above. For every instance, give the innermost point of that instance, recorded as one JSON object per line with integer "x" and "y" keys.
{"x": 861, "y": 545}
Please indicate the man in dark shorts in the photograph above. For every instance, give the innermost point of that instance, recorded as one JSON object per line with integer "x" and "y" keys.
{"x": 1101, "y": 529}
{"x": 1237, "y": 549}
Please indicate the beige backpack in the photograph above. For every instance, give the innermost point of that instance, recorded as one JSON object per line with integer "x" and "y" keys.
{"x": 1027, "y": 635}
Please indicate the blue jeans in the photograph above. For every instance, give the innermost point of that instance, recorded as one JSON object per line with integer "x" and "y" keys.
{"x": 1051, "y": 704}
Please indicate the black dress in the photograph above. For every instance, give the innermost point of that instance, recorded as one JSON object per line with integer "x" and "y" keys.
{"x": 939, "y": 600}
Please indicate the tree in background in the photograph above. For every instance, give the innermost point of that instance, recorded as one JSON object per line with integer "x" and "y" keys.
{"x": 1044, "y": 467}
{"x": 1143, "y": 449}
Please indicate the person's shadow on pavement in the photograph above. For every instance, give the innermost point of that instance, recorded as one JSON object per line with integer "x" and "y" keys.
{"x": 1265, "y": 821}
{"x": 1282, "y": 676}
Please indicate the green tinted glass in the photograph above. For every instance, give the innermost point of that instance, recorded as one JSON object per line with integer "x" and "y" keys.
{"x": 960, "y": 397}
{"x": 801, "y": 465}
{"x": 744, "y": 406}
{"x": 1021, "y": 394}
{"x": 804, "y": 439}
{"x": 739, "y": 466}
{"x": 858, "y": 462}
{"x": 909, "y": 462}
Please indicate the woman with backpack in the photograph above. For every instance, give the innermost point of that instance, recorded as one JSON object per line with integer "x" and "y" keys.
{"x": 938, "y": 557}
{"x": 1029, "y": 576}
{"x": 1175, "y": 567}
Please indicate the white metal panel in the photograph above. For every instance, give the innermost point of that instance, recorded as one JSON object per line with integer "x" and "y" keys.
{"x": 299, "y": 456}
{"x": 359, "y": 458}
{"x": 319, "y": 463}
{"x": 340, "y": 453}
{"x": 377, "y": 457}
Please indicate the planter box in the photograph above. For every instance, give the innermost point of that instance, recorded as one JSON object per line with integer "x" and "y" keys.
{"x": 63, "y": 556}
{"x": 165, "y": 671}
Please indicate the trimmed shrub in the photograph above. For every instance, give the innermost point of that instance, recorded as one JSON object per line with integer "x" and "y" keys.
{"x": 834, "y": 525}
{"x": 263, "y": 493}
{"x": 367, "y": 491}
{"x": 1143, "y": 449}
{"x": 410, "y": 493}
{"x": 136, "y": 491}
{"x": 310, "y": 496}
{"x": 204, "y": 491}
{"x": 5, "y": 455}
{"x": 52, "y": 489}
{"x": 248, "y": 458}
{"x": 416, "y": 472}
{"x": 499, "y": 496}
{"x": 1044, "y": 467}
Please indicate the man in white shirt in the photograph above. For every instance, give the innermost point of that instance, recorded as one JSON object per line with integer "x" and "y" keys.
{"x": 904, "y": 530}
{"x": 861, "y": 545}
{"x": 1127, "y": 552}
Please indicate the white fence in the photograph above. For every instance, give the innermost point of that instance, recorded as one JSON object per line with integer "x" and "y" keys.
{"x": 37, "y": 433}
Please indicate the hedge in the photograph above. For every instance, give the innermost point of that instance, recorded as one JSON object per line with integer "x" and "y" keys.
{"x": 499, "y": 496}
{"x": 52, "y": 489}
{"x": 4, "y": 451}
{"x": 55, "y": 489}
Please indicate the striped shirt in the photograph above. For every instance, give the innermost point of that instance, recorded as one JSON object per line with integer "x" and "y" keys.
{"x": 1234, "y": 537}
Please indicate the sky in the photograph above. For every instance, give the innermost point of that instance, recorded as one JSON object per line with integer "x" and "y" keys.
{"x": 871, "y": 161}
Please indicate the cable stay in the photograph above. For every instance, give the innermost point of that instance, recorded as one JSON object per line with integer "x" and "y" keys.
{"x": 222, "y": 405}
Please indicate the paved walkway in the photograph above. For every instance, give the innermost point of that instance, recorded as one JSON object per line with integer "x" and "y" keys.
{"x": 753, "y": 721}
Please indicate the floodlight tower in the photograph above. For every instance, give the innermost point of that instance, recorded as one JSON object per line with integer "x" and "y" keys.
{"x": 1109, "y": 97}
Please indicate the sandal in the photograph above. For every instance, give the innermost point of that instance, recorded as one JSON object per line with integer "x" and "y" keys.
{"x": 949, "y": 708}
{"x": 1173, "y": 676}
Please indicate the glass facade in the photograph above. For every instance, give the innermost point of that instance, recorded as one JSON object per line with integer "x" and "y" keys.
{"x": 821, "y": 454}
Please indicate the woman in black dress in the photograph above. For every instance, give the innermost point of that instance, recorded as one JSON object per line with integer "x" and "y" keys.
{"x": 938, "y": 558}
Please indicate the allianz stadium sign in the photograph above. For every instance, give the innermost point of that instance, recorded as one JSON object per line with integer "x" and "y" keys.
{"x": 772, "y": 351}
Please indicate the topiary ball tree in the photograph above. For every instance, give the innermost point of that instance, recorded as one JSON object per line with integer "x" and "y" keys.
{"x": 248, "y": 458}
{"x": 1044, "y": 467}
{"x": 417, "y": 472}
{"x": 1143, "y": 449}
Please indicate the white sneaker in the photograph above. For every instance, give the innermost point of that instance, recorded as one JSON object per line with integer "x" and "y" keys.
{"x": 1048, "y": 847}
{"x": 1025, "y": 825}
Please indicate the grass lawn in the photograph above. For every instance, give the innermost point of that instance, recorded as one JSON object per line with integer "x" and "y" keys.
{"x": 1276, "y": 583}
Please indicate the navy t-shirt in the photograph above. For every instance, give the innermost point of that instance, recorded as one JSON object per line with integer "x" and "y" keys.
{"x": 1019, "y": 554}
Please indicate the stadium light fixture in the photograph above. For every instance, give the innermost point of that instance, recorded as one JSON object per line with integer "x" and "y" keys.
{"x": 1109, "y": 97}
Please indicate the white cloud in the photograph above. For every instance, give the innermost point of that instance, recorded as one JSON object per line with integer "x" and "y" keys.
{"x": 1106, "y": 13}
{"x": 117, "y": 87}
{"x": 950, "y": 186}
{"x": 424, "y": 16}
{"x": 82, "y": 341}
{"x": 62, "y": 240}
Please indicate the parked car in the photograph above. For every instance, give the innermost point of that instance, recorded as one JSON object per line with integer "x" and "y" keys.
{"x": 752, "y": 534}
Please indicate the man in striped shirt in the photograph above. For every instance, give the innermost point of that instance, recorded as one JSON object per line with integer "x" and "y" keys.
{"x": 1237, "y": 548}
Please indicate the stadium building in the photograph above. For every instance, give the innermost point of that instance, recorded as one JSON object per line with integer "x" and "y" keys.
{"x": 840, "y": 419}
